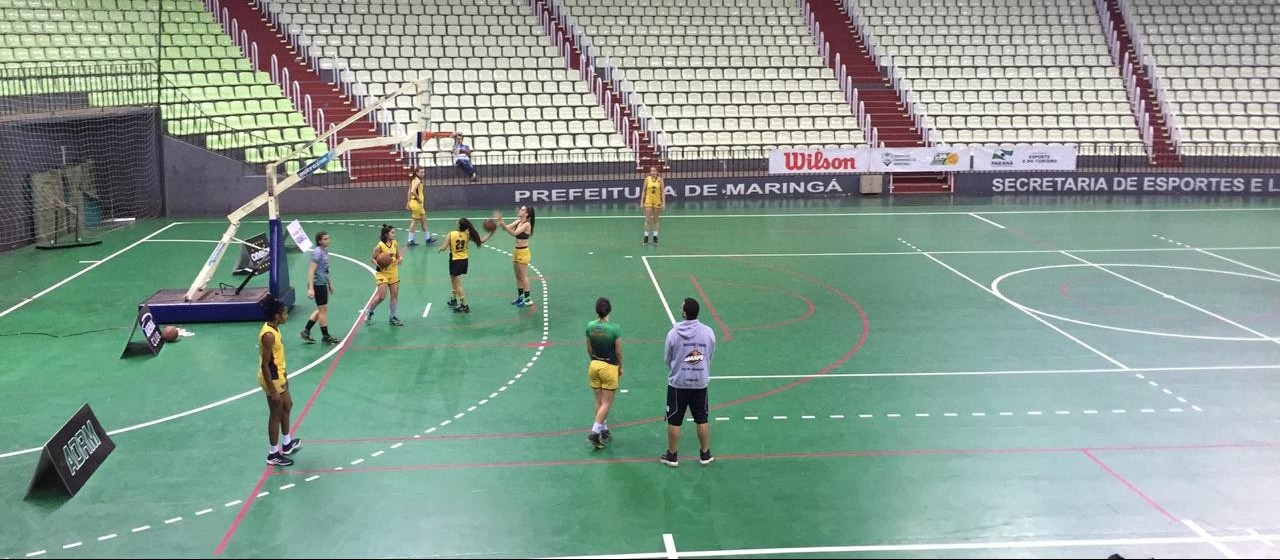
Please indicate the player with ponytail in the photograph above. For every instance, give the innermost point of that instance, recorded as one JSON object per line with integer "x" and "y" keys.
{"x": 387, "y": 259}
{"x": 459, "y": 259}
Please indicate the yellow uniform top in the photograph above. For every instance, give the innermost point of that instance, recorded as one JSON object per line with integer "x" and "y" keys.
{"x": 394, "y": 250}
{"x": 653, "y": 190}
{"x": 275, "y": 368}
{"x": 458, "y": 245}
{"x": 415, "y": 190}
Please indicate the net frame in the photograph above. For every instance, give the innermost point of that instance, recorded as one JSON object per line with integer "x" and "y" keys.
{"x": 277, "y": 185}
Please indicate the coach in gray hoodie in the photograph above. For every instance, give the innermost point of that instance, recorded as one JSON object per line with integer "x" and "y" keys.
{"x": 690, "y": 347}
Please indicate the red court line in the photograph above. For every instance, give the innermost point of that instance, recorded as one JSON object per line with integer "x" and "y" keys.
{"x": 470, "y": 345}
{"x": 812, "y": 455}
{"x": 728, "y": 336}
{"x": 1131, "y": 487}
{"x": 297, "y": 425}
{"x": 862, "y": 340}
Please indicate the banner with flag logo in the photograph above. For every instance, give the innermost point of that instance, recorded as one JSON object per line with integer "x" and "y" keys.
{"x": 1049, "y": 157}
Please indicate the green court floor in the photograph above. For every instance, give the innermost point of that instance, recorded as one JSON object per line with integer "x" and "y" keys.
{"x": 1035, "y": 378}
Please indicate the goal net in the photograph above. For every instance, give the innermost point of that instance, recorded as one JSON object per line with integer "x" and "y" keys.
{"x": 73, "y": 171}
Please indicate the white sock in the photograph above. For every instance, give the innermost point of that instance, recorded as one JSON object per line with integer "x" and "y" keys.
{"x": 596, "y": 427}
{"x": 274, "y": 449}
{"x": 286, "y": 439}
{"x": 646, "y": 234}
{"x": 411, "y": 237}
{"x": 604, "y": 426}
{"x": 655, "y": 233}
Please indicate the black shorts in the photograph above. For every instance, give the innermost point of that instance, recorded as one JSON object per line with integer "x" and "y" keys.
{"x": 692, "y": 400}
{"x": 322, "y": 294}
{"x": 458, "y": 267}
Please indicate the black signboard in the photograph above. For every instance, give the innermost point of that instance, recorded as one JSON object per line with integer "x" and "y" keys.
{"x": 73, "y": 454}
{"x": 154, "y": 338}
{"x": 255, "y": 256}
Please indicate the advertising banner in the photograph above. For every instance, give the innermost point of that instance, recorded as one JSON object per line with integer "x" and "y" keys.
{"x": 890, "y": 160}
{"x": 1147, "y": 184}
{"x": 820, "y": 160}
{"x": 1051, "y": 157}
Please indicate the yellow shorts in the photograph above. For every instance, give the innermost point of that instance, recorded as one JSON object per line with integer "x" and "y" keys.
{"x": 649, "y": 203}
{"x": 523, "y": 255}
{"x": 416, "y": 210}
{"x": 388, "y": 277}
{"x": 282, "y": 384}
{"x": 602, "y": 375}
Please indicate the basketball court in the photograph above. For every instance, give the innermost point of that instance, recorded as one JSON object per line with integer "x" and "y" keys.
{"x": 1047, "y": 379}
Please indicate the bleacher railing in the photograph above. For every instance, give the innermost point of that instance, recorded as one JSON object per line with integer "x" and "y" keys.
{"x": 885, "y": 63}
{"x": 843, "y": 80}
{"x": 604, "y": 78}
{"x": 1152, "y": 71}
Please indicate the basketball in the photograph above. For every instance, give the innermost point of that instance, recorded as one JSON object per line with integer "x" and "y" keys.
{"x": 490, "y": 225}
{"x": 384, "y": 260}
{"x": 170, "y": 334}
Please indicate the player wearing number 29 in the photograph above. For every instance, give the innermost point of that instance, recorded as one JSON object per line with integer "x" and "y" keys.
{"x": 274, "y": 380}
{"x": 460, "y": 259}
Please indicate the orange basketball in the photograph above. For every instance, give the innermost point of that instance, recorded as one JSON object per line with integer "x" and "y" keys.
{"x": 384, "y": 260}
{"x": 490, "y": 225}
{"x": 170, "y": 334}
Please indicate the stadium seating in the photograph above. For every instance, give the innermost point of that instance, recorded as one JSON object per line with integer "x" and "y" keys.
{"x": 725, "y": 78}
{"x": 209, "y": 91}
{"x": 1220, "y": 62}
{"x": 495, "y": 74}
{"x": 1008, "y": 71}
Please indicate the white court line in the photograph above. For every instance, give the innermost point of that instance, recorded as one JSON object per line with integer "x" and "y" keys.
{"x": 1028, "y": 313}
{"x": 669, "y": 543}
{"x": 968, "y": 252}
{"x": 323, "y": 358}
{"x": 986, "y": 220}
{"x": 1172, "y": 297}
{"x": 1265, "y": 541}
{"x": 657, "y": 287}
{"x": 931, "y": 547}
{"x": 830, "y": 214}
{"x": 85, "y": 270}
{"x": 90, "y": 262}
{"x": 1217, "y": 256}
{"x": 993, "y": 545}
{"x": 426, "y": 311}
{"x": 999, "y": 372}
{"x": 1214, "y": 542}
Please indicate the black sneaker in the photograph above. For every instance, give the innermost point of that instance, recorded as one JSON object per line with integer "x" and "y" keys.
{"x": 646, "y": 240}
{"x": 462, "y": 309}
{"x": 430, "y": 240}
{"x": 655, "y": 240}
{"x": 595, "y": 440}
{"x": 669, "y": 459}
{"x": 452, "y": 303}
{"x": 606, "y": 436}
{"x": 278, "y": 460}
{"x": 396, "y": 322}
{"x": 331, "y": 340}
{"x": 292, "y": 448}
{"x": 306, "y": 336}
{"x": 706, "y": 458}
{"x": 413, "y": 243}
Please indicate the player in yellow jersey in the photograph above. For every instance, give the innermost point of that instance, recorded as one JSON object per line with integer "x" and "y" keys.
{"x": 459, "y": 259}
{"x": 416, "y": 205}
{"x": 387, "y": 275}
{"x": 274, "y": 380}
{"x": 653, "y": 200}
{"x": 522, "y": 230}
